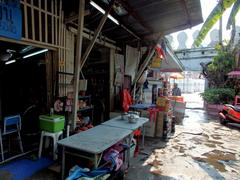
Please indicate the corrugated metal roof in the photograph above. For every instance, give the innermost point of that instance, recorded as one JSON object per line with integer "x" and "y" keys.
{"x": 146, "y": 18}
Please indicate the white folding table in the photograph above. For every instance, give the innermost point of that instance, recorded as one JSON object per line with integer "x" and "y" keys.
{"x": 124, "y": 124}
{"x": 93, "y": 142}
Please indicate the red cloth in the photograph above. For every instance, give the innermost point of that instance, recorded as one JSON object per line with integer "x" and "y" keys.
{"x": 160, "y": 51}
{"x": 127, "y": 100}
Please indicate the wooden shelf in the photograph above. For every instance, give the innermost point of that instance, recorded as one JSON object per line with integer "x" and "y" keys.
{"x": 84, "y": 97}
{"x": 85, "y": 109}
{"x": 96, "y": 63}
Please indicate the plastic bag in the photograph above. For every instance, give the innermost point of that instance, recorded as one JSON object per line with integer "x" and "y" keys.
{"x": 127, "y": 100}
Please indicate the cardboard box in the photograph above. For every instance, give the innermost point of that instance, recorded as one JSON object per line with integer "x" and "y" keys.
{"x": 150, "y": 129}
{"x": 159, "y": 123}
{"x": 150, "y": 125}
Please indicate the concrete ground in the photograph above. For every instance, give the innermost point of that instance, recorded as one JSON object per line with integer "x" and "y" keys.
{"x": 200, "y": 149}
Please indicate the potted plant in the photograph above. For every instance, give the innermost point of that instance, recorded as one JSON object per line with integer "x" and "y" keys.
{"x": 215, "y": 98}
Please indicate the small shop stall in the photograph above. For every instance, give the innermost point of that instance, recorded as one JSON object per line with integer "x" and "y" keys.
{"x": 177, "y": 102}
{"x": 157, "y": 107}
{"x": 155, "y": 101}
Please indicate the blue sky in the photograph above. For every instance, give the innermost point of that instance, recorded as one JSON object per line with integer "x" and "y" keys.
{"x": 207, "y": 7}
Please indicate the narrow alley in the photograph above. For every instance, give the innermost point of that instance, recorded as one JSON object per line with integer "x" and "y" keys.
{"x": 201, "y": 148}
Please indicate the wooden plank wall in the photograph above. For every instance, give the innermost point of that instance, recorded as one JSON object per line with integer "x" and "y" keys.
{"x": 43, "y": 26}
{"x": 42, "y": 21}
{"x": 66, "y": 65}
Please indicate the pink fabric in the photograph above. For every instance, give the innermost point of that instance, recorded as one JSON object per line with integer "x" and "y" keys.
{"x": 234, "y": 74}
{"x": 113, "y": 154}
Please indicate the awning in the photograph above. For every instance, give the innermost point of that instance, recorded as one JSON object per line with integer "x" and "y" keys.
{"x": 146, "y": 19}
{"x": 171, "y": 63}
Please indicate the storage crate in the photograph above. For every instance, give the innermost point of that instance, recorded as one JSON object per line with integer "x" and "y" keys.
{"x": 51, "y": 123}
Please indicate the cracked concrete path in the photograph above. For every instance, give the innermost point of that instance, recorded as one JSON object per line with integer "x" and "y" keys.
{"x": 200, "y": 149}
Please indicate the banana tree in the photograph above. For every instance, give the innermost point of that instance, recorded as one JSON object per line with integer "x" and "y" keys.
{"x": 215, "y": 15}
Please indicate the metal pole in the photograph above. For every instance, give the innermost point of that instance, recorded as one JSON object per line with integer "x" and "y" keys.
{"x": 78, "y": 60}
{"x": 99, "y": 28}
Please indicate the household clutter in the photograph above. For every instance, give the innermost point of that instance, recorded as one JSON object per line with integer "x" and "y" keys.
{"x": 95, "y": 149}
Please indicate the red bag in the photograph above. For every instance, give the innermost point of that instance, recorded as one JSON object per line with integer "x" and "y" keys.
{"x": 127, "y": 100}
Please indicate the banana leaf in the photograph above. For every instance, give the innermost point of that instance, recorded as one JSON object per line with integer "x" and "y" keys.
{"x": 212, "y": 19}
{"x": 233, "y": 13}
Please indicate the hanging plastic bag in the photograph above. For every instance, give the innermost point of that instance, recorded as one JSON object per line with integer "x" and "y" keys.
{"x": 82, "y": 83}
{"x": 127, "y": 100}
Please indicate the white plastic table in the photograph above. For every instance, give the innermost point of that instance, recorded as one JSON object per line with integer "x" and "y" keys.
{"x": 93, "y": 142}
{"x": 124, "y": 124}
{"x": 120, "y": 123}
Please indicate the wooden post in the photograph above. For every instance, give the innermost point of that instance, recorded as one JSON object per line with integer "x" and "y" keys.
{"x": 111, "y": 79}
{"x": 80, "y": 63}
{"x": 99, "y": 28}
{"x": 78, "y": 60}
{"x": 145, "y": 64}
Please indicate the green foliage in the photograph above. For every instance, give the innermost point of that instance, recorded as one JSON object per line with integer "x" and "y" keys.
{"x": 214, "y": 16}
{"x": 218, "y": 95}
{"x": 233, "y": 14}
{"x": 222, "y": 64}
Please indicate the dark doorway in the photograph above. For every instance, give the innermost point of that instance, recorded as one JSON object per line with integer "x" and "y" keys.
{"x": 23, "y": 84}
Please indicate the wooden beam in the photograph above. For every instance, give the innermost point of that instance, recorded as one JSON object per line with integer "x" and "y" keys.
{"x": 46, "y": 23}
{"x": 40, "y": 21}
{"x": 130, "y": 32}
{"x": 28, "y": 42}
{"x": 109, "y": 29}
{"x": 52, "y": 22}
{"x": 75, "y": 17}
{"x": 105, "y": 42}
{"x": 25, "y": 19}
{"x": 78, "y": 63}
{"x": 90, "y": 46}
{"x": 33, "y": 21}
{"x": 145, "y": 63}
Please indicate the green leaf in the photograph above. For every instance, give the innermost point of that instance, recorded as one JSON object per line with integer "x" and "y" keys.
{"x": 218, "y": 95}
{"x": 233, "y": 13}
{"x": 212, "y": 19}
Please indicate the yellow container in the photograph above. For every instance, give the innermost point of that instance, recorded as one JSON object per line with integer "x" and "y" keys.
{"x": 156, "y": 62}
{"x": 163, "y": 103}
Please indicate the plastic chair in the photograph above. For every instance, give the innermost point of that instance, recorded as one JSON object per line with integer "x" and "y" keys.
{"x": 55, "y": 136}
{"x": 11, "y": 124}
